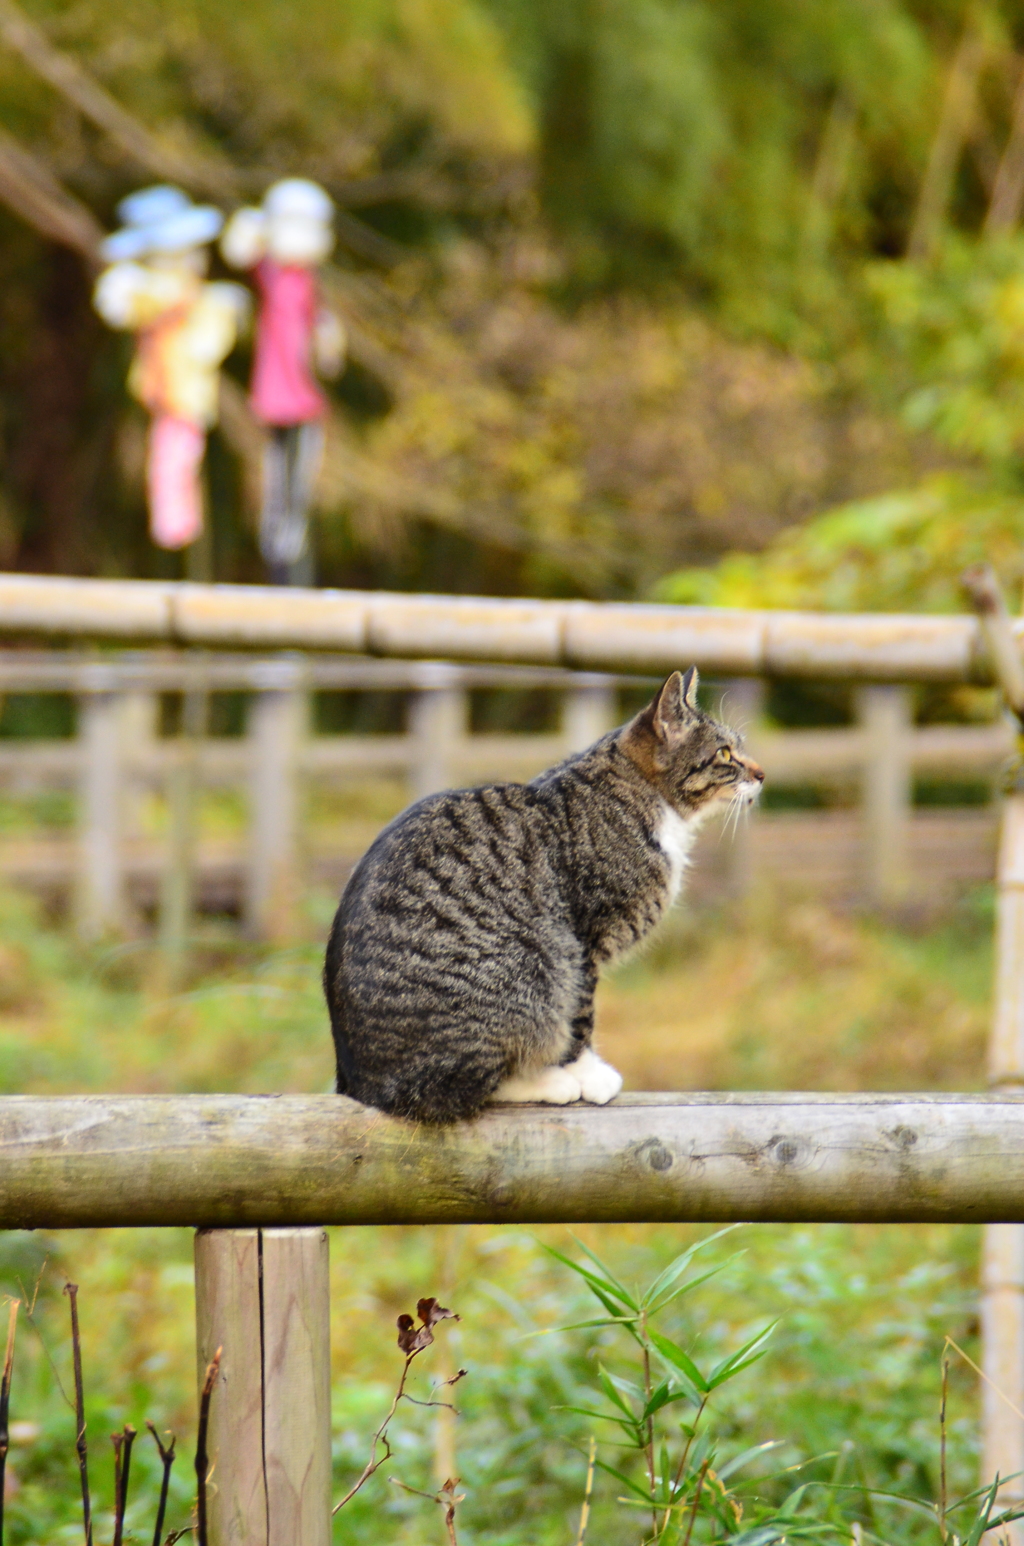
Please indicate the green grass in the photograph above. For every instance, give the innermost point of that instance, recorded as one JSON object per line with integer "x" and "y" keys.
{"x": 793, "y": 997}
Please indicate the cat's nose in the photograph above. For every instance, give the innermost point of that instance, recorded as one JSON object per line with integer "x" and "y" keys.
{"x": 754, "y": 769}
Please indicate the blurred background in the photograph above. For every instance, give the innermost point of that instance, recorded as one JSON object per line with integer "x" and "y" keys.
{"x": 646, "y": 299}
{"x": 628, "y": 287}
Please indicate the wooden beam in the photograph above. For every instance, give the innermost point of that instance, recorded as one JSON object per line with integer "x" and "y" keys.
{"x": 601, "y": 635}
{"x": 231, "y": 1161}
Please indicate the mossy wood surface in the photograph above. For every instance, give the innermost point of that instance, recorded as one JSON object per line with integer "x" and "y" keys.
{"x": 229, "y": 1160}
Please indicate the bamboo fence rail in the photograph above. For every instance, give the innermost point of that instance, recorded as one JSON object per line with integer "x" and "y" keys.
{"x": 603, "y": 635}
{"x": 222, "y": 1161}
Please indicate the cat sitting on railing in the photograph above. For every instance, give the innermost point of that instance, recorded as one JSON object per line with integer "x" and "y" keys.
{"x": 463, "y": 960}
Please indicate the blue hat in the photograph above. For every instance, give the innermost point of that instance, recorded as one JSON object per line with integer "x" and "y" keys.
{"x": 160, "y": 219}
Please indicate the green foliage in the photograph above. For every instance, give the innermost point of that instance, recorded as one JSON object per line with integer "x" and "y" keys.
{"x": 958, "y": 324}
{"x": 899, "y": 552}
{"x": 953, "y": 331}
{"x": 685, "y": 1480}
{"x": 701, "y": 131}
{"x": 679, "y": 1477}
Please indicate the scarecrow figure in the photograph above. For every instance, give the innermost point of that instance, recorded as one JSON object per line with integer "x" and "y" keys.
{"x": 283, "y": 242}
{"x": 155, "y": 288}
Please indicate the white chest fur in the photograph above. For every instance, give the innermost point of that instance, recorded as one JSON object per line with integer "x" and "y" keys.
{"x": 675, "y": 839}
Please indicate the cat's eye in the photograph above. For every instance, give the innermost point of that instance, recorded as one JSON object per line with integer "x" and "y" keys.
{"x": 724, "y": 754}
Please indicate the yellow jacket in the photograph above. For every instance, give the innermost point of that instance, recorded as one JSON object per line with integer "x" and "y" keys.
{"x": 186, "y": 327}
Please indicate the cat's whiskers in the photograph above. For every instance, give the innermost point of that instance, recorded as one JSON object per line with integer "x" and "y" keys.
{"x": 739, "y": 807}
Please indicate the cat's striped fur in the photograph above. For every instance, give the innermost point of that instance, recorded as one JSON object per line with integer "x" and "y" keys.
{"x": 464, "y": 955}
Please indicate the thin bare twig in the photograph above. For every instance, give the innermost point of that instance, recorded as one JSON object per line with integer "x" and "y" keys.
{"x": 412, "y": 1340}
{"x": 446, "y": 1496}
{"x": 588, "y": 1489}
{"x": 942, "y": 1451}
{"x": 696, "y": 1501}
{"x": 65, "y": 74}
{"x": 71, "y": 1289}
{"x": 117, "y": 1439}
{"x": 684, "y": 1457}
{"x": 5, "y": 1402}
{"x": 30, "y": 1317}
{"x": 202, "y": 1458}
{"x": 167, "y": 1459}
{"x": 122, "y": 1443}
{"x": 982, "y": 1375}
{"x": 380, "y": 1437}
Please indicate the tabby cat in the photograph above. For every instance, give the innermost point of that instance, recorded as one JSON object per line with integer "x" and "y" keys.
{"x": 464, "y": 955}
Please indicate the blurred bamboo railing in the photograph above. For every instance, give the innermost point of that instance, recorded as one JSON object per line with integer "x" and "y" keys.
{"x": 583, "y": 635}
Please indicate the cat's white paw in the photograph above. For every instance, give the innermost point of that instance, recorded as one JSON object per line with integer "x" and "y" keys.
{"x": 599, "y": 1081}
{"x": 549, "y": 1086}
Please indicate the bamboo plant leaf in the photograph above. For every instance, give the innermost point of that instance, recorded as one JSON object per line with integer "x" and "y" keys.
{"x": 981, "y": 1519}
{"x": 611, "y": 1281}
{"x": 606, "y": 1320}
{"x": 760, "y": 1535}
{"x": 793, "y": 1502}
{"x": 607, "y": 1292}
{"x": 681, "y": 1360}
{"x": 675, "y": 1269}
{"x": 664, "y": 1396}
{"x": 688, "y": 1285}
{"x": 629, "y": 1424}
{"x": 640, "y": 1492}
{"x": 615, "y": 1388}
{"x": 739, "y": 1461}
{"x": 749, "y": 1353}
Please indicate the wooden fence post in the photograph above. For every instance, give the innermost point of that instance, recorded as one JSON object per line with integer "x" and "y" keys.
{"x": 100, "y": 889}
{"x": 589, "y": 708}
{"x": 176, "y": 883}
{"x": 263, "y": 1296}
{"x": 885, "y": 713}
{"x": 438, "y": 720}
{"x": 297, "y": 1386}
{"x": 1002, "y": 1290}
{"x": 228, "y": 1316}
{"x": 277, "y": 723}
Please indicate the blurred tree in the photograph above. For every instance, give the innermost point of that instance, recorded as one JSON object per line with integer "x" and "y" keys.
{"x": 537, "y": 200}
{"x": 954, "y": 341}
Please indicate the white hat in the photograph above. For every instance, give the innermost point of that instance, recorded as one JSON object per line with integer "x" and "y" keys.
{"x": 160, "y": 219}
{"x": 297, "y": 196}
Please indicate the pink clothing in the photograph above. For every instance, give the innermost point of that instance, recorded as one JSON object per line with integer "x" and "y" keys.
{"x": 283, "y": 389}
{"x": 174, "y": 457}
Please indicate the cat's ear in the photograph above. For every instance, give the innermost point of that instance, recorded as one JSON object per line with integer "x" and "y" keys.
{"x": 657, "y": 732}
{"x": 674, "y": 706}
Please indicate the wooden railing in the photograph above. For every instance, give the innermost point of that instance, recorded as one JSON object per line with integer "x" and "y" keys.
{"x": 861, "y": 646}
{"x": 228, "y": 1161}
